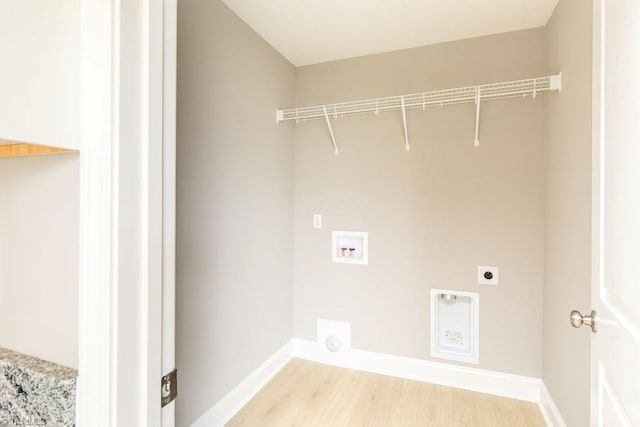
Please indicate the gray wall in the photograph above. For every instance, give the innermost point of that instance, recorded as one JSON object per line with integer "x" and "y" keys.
{"x": 568, "y": 211}
{"x": 520, "y": 201}
{"x": 234, "y": 206}
{"x": 433, "y": 214}
{"x": 39, "y": 256}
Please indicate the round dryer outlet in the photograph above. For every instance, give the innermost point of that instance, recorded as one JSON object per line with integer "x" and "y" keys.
{"x": 332, "y": 343}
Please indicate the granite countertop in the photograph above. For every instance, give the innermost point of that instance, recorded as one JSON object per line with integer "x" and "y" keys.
{"x": 35, "y": 392}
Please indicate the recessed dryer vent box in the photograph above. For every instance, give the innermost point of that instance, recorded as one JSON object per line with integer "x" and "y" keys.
{"x": 350, "y": 247}
{"x": 454, "y": 325}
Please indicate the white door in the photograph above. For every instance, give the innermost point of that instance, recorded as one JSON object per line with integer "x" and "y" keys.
{"x": 615, "y": 349}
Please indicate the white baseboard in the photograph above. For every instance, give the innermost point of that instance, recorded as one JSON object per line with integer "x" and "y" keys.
{"x": 480, "y": 380}
{"x": 228, "y": 406}
{"x": 549, "y": 409}
{"x": 491, "y": 382}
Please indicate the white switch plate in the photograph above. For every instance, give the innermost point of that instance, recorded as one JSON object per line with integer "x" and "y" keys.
{"x": 493, "y": 272}
{"x": 317, "y": 221}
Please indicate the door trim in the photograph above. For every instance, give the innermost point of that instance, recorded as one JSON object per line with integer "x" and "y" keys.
{"x": 596, "y": 178}
{"x": 121, "y": 223}
{"x": 170, "y": 47}
{"x": 97, "y": 360}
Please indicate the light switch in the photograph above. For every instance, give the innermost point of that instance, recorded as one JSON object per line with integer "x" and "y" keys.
{"x": 317, "y": 221}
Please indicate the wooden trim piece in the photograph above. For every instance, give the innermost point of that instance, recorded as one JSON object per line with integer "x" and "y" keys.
{"x": 315, "y": 394}
{"x": 98, "y": 310}
{"x": 121, "y": 183}
{"x": 549, "y": 410}
{"x": 24, "y": 149}
{"x": 468, "y": 378}
{"x": 473, "y": 379}
{"x": 169, "y": 198}
{"x": 220, "y": 413}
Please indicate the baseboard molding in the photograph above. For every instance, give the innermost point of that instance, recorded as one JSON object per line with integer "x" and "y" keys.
{"x": 228, "y": 406}
{"x": 549, "y": 409}
{"x": 474, "y": 379}
{"x": 491, "y": 382}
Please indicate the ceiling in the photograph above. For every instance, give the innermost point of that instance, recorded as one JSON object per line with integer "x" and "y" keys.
{"x": 312, "y": 31}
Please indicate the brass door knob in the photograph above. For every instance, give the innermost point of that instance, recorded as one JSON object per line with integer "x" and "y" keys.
{"x": 577, "y": 320}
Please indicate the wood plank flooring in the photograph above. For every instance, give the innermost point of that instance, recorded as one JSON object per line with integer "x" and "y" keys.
{"x": 306, "y": 393}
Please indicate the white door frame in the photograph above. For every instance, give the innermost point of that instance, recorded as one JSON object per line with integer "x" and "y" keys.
{"x": 125, "y": 127}
{"x": 170, "y": 51}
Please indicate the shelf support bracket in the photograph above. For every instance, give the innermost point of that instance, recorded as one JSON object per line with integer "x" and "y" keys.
{"x": 333, "y": 138}
{"x": 404, "y": 121}
{"x": 556, "y": 82}
{"x": 476, "y": 142}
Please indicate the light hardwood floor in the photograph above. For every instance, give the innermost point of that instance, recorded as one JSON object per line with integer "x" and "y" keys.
{"x": 306, "y": 393}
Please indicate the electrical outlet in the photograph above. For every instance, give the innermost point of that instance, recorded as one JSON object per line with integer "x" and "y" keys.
{"x": 317, "y": 221}
{"x": 488, "y": 275}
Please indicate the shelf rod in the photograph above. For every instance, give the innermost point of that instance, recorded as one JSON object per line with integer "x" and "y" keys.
{"x": 492, "y": 91}
{"x": 404, "y": 121}
{"x": 333, "y": 138}
{"x": 426, "y": 99}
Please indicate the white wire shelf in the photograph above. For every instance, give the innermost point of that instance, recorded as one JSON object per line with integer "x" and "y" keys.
{"x": 437, "y": 98}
